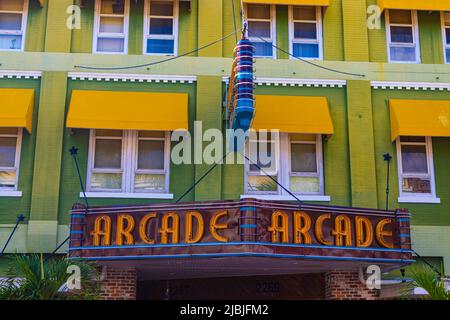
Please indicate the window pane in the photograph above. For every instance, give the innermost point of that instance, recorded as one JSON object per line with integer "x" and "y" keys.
{"x": 303, "y": 157}
{"x": 264, "y": 155}
{"x": 259, "y": 29}
{"x": 7, "y": 179}
{"x": 113, "y": 7}
{"x": 405, "y": 54}
{"x": 416, "y": 185}
{"x": 106, "y": 181}
{"x": 11, "y": 21}
{"x": 402, "y": 34}
{"x": 161, "y": 8}
{"x": 304, "y": 184}
{"x": 152, "y": 134}
{"x": 400, "y": 16}
{"x": 263, "y": 49}
{"x": 447, "y": 55}
{"x": 262, "y": 184}
{"x": 111, "y": 25}
{"x": 414, "y": 159}
{"x": 447, "y": 35}
{"x": 150, "y": 182}
{"x": 108, "y": 154}
{"x": 447, "y": 18}
{"x": 160, "y": 46}
{"x": 10, "y": 42}
{"x": 412, "y": 139}
{"x": 11, "y": 5}
{"x": 108, "y": 133}
{"x": 258, "y": 12}
{"x": 302, "y": 137}
{"x": 161, "y": 26}
{"x": 306, "y": 50}
{"x": 8, "y": 152}
{"x": 304, "y": 30}
{"x": 151, "y": 155}
{"x": 305, "y": 13}
{"x": 110, "y": 45}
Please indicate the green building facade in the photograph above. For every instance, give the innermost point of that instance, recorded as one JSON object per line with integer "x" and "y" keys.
{"x": 359, "y": 69}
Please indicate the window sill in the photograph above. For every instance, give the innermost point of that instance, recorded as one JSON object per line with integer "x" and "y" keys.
{"x": 13, "y": 194}
{"x": 272, "y": 197}
{"x": 419, "y": 200}
{"x": 120, "y": 195}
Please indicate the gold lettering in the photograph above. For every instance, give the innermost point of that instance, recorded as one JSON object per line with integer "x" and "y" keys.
{"x": 342, "y": 231}
{"x": 170, "y": 225}
{"x": 364, "y": 232}
{"x": 189, "y": 227}
{"x": 214, "y": 226}
{"x": 124, "y": 232}
{"x": 102, "y": 230}
{"x": 279, "y": 226}
{"x": 302, "y": 224}
{"x": 381, "y": 233}
{"x": 143, "y": 225}
{"x": 319, "y": 229}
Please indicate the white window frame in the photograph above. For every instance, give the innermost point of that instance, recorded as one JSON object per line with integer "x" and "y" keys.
{"x": 284, "y": 173}
{"x": 18, "y": 135}
{"x": 416, "y": 39}
{"x": 319, "y": 29}
{"x": 23, "y": 30}
{"x": 147, "y": 35}
{"x": 417, "y": 197}
{"x": 273, "y": 29}
{"x": 97, "y": 34}
{"x": 445, "y": 45}
{"x": 130, "y": 139}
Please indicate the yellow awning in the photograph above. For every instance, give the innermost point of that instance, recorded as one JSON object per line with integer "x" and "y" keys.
{"x": 16, "y": 108}
{"x": 292, "y": 2}
{"x": 293, "y": 114}
{"x": 128, "y": 110}
{"x": 423, "y": 118}
{"x": 427, "y": 5}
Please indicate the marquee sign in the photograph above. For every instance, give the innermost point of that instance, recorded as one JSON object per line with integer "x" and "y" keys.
{"x": 246, "y": 227}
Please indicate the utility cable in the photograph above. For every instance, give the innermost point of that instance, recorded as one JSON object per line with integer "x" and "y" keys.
{"x": 312, "y": 63}
{"x": 160, "y": 61}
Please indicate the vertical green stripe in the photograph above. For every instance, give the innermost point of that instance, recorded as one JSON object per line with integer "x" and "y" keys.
{"x": 58, "y": 35}
{"x": 210, "y": 24}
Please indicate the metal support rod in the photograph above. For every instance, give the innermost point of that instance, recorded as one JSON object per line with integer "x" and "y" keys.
{"x": 73, "y": 152}
{"x": 201, "y": 178}
{"x": 20, "y": 218}
{"x": 387, "y": 157}
{"x": 270, "y": 177}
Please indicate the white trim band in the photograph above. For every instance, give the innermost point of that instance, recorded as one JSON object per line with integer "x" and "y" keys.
{"x": 20, "y": 74}
{"x": 271, "y": 197}
{"x": 12, "y": 194}
{"x": 419, "y": 200}
{"x": 131, "y": 77}
{"x": 123, "y": 195}
{"x": 294, "y": 82}
{"x": 392, "y": 85}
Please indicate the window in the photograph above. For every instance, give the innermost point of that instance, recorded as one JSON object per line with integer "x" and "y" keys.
{"x": 261, "y": 29}
{"x": 161, "y": 27}
{"x": 293, "y": 160}
{"x": 10, "y": 143}
{"x": 128, "y": 161}
{"x": 111, "y": 26}
{"x": 415, "y": 163}
{"x": 13, "y": 21}
{"x": 402, "y": 36}
{"x": 305, "y": 29}
{"x": 446, "y": 35}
